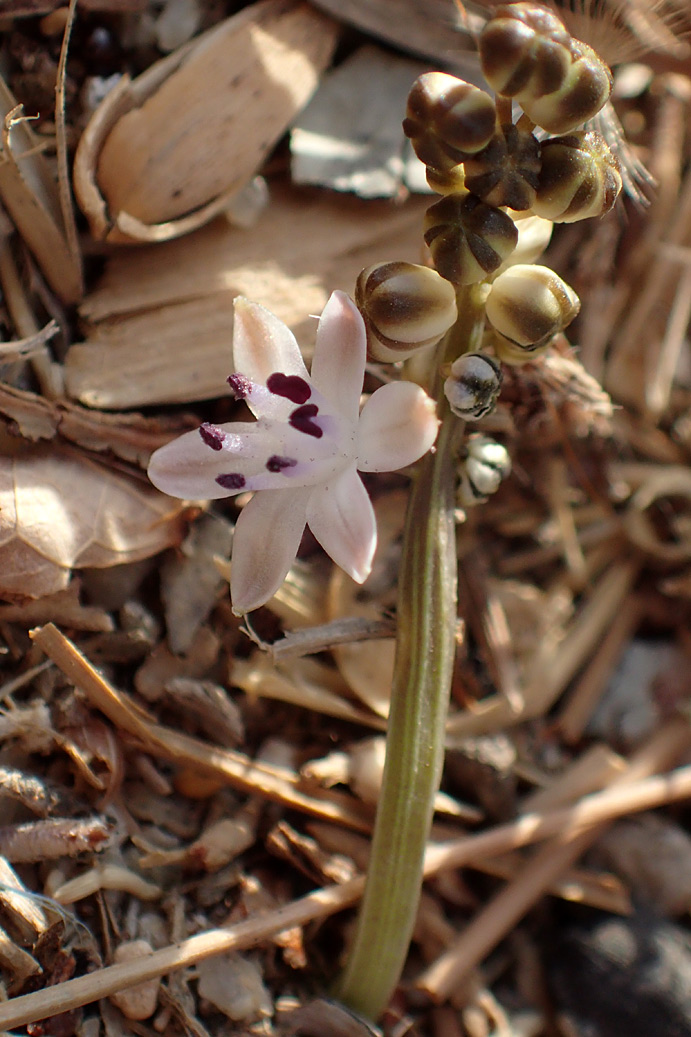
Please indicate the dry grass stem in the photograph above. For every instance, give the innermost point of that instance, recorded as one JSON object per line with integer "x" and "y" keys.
{"x": 643, "y": 794}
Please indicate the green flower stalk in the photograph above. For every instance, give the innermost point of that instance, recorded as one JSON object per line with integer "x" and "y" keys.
{"x": 419, "y": 701}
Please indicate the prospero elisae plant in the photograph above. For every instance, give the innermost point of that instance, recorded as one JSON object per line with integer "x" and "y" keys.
{"x": 502, "y": 185}
{"x": 302, "y": 454}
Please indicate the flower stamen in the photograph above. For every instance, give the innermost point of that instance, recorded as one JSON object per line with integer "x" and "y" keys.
{"x": 212, "y": 435}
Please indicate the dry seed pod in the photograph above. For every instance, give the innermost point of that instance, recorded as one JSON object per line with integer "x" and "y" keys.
{"x": 485, "y": 465}
{"x": 506, "y": 171}
{"x": 467, "y": 238}
{"x": 164, "y": 154}
{"x": 579, "y": 178}
{"x": 473, "y": 386}
{"x": 447, "y": 118}
{"x": 405, "y": 307}
{"x": 527, "y": 53}
{"x": 530, "y": 304}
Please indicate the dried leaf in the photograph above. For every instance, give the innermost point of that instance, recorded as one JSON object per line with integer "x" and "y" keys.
{"x": 60, "y": 510}
{"x": 153, "y": 305}
{"x": 137, "y": 170}
{"x": 29, "y": 193}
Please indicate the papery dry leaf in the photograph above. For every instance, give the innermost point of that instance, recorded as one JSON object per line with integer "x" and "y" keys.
{"x": 161, "y": 317}
{"x": 165, "y": 153}
{"x": 131, "y": 437}
{"x": 30, "y": 194}
{"x": 60, "y": 510}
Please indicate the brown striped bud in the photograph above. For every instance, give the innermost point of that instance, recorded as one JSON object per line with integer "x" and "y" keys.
{"x": 405, "y": 308}
{"x": 506, "y": 171}
{"x": 467, "y": 238}
{"x": 473, "y": 386}
{"x": 530, "y": 304}
{"x": 527, "y": 53}
{"x": 486, "y": 464}
{"x": 579, "y": 178}
{"x": 446, "y": 181}
{"x": 447, "y": 118}
{"x": 515, "y": 356}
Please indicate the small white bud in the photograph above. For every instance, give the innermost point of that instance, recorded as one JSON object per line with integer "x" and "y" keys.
{"x": 486, "y": 464}
{"x": 473, "y": 386}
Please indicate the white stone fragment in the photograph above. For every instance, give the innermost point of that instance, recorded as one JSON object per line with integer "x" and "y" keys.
{"x": 234, "y": 985}
{"x": 136, "y": 1002}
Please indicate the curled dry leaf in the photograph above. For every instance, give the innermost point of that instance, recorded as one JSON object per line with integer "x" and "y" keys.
{"x": 59, "y": 511}
{"x": 137, "y": 171}
{"x": 29, "y": 193}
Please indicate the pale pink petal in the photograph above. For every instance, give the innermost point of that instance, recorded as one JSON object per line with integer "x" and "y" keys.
{"x": 187, "y": 467}
{"x": 265, "y": 542}
{"x": 263, "y": 345}
{"x": 341, "y": 516}
{"x": 338, "y": 366}
{"x": 398, "y": 425}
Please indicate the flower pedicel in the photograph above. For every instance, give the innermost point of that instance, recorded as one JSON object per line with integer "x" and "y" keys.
{"x": 303, "y": 452}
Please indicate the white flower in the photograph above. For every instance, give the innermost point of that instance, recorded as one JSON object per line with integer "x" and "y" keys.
{"x": 303, "y": 452}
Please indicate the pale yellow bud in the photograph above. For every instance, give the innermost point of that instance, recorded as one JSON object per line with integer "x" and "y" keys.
{"x": 530, "y": 304}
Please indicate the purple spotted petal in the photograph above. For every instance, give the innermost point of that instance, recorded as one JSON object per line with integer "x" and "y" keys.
{"x": 341, "y": 516}
{"x": 398, "y": 424}
{"x": 338, "y": 367}
{"x": 188, "y": 466}
{"x": 266, "y": 539}
{"x": 263, "y": 345}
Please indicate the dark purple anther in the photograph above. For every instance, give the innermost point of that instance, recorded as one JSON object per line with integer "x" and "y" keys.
{"x": 301, "y": 419}
{"x": 240, "y": 385}
{"x": 212, "y": 435}
{"x": 291, "y": 386}
{"x": 231, "y": 481}
{"x": 276, "y": 463}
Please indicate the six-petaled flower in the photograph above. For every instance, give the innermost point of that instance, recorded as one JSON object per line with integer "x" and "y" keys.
{"x": 303, "y": 452}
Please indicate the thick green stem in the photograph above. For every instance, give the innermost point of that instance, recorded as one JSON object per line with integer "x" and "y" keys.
{"x": 419, "y": 701}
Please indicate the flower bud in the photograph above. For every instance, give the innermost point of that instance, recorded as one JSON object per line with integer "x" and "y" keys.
{"x": 446, "y": 181}
{"x": 405, "y": 307}
{"x": 473, "y": 386}
{"x": 506, "y": 171}
{"x": 467, "y": 238}
{"x": 515, "y": 356}
{"x": 534, "y": 233}
{"x": 447, "y": 118}
{"x": 486, "y": 464}
{"x": 530, "y": 304}
{"x": 579, "y": 178}
{"x": 527, "y": 53}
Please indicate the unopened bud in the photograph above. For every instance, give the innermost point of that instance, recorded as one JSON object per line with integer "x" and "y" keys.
{"x": 405, "y": 308}
{"x": 446, "y": 181}
{"x": 486, "y": 464}
{"x": 579, "y": 178}
{"x": 447, "y": 118}
{"x": 515, "y": 356}
{"x": 473, "y": 386}
{"x": 506, "y": 171}
{"x": 530, "y": 304}
{"x": 534, "y": 233}
{"x": 527, "y": 53}
{"x": 468, "y": 239}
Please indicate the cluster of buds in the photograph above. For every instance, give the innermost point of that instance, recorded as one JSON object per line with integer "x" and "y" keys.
{"x": 503, "y": 187}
